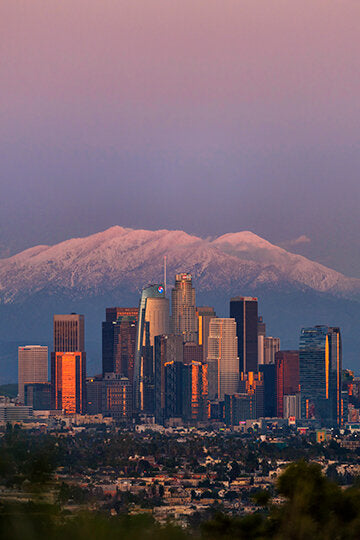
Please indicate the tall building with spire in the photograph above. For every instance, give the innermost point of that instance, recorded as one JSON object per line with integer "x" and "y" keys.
{"x": 183, "y": 308}
{"x": 320, "y": 367}
{"x": 153, "y": 320}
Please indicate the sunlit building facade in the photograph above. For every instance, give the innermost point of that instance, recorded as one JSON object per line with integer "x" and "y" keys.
{"x": 32, "y": 367}
{"x": 287, "y": 377}
{"x": 222, "y": 358}
{"x": 68, "y": 382}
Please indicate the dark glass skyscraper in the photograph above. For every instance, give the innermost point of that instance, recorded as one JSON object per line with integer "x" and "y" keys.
{"x": 118, "y": 346}
{"x": 244, "y": 310}
{"x": 320, "y": 362}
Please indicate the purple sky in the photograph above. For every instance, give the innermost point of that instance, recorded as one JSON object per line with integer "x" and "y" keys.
{"x": 210, "y": 116}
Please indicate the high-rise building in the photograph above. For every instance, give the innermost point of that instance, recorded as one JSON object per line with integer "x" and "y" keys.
{"x": 292, "y": 406}
{"x": 195, "y": 391}
{"x": 117, "y": 397}
{"x": 173, "y": 389}
{"x": 239, "y": 408}
{"x": 94, "y": 392}
{"x": 169, "y": 349}
{"x": 153, "y": 321}
{"x": 261, "y": 337}
{"x": 223, "y": 362}
{"x": 69, "y": 333}
{"x": 192, "y": 352}
{"x": 320, "y": 361}
{"x": 244, "y": 310}
{"x": 38, "y": 396}
{"x": 183, "y": 308}
{"x": 113, "y": 313}
{"x": 204, "y": 315}
{"x": 287, "y": 377}
{"x": 68, "y": 381}
{"x": 32, "y": 367}
{"x": 252, "y": 384}
{"x": 269, "y": 375}
{"x": 118, "y": 346}
{"x": 271, "y": 347}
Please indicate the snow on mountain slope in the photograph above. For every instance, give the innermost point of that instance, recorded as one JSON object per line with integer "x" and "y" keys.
{"x": 123, "y": 257}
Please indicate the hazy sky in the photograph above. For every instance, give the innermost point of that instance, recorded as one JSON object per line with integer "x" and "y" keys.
{"x": 206, "y": 115}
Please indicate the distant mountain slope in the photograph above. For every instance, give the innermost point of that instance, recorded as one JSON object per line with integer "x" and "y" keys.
{"x": 133, "y": 258}
{"x": 110, "y": 268}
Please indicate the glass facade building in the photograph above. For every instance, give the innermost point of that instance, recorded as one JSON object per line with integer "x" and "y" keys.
{"x": 153, "y": 320}
{"x": 244, "y": 310}
{"x": 320, "y": 363}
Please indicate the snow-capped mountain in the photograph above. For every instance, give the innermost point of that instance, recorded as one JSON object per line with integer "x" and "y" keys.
{"x": 122, "y": 257}
{"x": 110, "y": 268}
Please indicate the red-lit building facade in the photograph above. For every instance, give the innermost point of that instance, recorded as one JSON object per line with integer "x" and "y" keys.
{"x": 287, "y": 377}
{"x": 68, "y": 381}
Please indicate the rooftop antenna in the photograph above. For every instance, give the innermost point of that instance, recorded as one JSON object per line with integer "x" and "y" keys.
{"x": 165, "y": 273}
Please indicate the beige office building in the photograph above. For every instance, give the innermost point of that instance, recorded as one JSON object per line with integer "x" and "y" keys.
{"x": 271, "y": 347}
{"x": 32, "y": 366}
{"x": 183, "y": 308}
{"x": 223, "y": 361}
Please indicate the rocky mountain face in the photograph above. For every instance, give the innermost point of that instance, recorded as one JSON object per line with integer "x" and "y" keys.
{"x": 111, "y": 267}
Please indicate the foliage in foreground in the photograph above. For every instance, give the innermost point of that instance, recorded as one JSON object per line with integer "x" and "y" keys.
{"x": 313, "y": 508}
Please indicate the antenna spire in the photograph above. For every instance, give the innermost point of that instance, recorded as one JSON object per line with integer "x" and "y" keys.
{"x": 165, "y": 273}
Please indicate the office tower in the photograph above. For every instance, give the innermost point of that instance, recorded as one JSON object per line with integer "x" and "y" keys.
{"x": 192, "y": 352}
{"x": 69, "y": 333}
{"x": 252, "y": 384}
{"x": 261, "y": 337}
{"x": 32, "y": 367}
{"x": 320, "y": 361}
{"x": 183, "y": 308}
{"x": 173, "y": 389}
{"x": 269, "y": 375}
{"x": 244, "y": 310}
{"x": 204, "y": 315}
{"x": 113, "y": 313}
{"x": 195, "y": 391}
{"x": 153, "y": 321}
{"x": 238, "y": 408}
{"x": 168, "y": 348}
{"x": 68, "y": 381}
{"x": 222, "y": 358}
{"x": 94, "y": 390}
{"x": 38, "y": 396}
{"x": 117, "y": 397}
{"x": 292, "y": 406}
{"x": 271, "y": 347}
{"x": 118, "y": 345}
{"x": 287, "y": 377}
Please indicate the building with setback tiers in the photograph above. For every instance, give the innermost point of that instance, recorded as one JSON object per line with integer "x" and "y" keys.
{"x": 183, "y": 308}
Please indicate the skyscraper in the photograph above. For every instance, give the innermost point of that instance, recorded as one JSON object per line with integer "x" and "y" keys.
{"x": 69, "y": 333}
{"x": 169, "y": 349}
{"x": 68, "y": 364}
{"x": 271, "y": 347}
{"x": 204, "y": 315}
{"x": 32, "y": 367}
{"x": 153, "y": 320}
{"x": 68, "y": 381}
{"x": 287, "y": 377}
{"x": 261, "y": 337}
{"x": 223, "y": 362}
{"x": 244, "y": 310}
{"x": 183, "y": 308}
{"x": 320, "y": 362}
{"x": 118, "y": 345}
